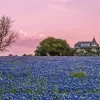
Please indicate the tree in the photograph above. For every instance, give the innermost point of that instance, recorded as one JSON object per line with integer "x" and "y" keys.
{"x": 24, "y": 54}
{"x": 53, "y": 47}
{"x": 10, "y": 55}
{"x": 7, "y": 37}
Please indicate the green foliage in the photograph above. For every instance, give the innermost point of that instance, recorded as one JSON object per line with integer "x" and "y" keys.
{"x": 27, "y": 55}
{"x": 88, "y": 52}
{"x": 78, "y": 74}
{"x": 53, "y": 47}
{"x": 13, "y": 90}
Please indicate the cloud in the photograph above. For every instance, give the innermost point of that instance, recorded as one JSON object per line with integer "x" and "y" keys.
{"x": 63, "y": 2}
{"x": 61, "y": 5}
{"x": 22, "y": 33}
{"x": 40, "y": 36}
{"x": 27, "y": 41}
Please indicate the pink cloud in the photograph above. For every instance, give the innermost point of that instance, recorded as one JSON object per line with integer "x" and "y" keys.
{"x": 27, "y": 41}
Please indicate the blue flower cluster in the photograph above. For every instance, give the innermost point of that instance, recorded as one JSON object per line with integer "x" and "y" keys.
{"x": 48, "y": 78}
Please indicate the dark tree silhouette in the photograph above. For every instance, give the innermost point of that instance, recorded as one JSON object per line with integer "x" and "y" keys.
{"x": 7, "y": 36}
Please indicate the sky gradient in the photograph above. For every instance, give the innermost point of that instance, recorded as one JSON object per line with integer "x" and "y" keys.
{"x": 73, "y": 20}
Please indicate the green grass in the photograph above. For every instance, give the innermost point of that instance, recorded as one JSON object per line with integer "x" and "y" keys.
{"x": 78, "y": 74}
{"x": 13, "y": 90}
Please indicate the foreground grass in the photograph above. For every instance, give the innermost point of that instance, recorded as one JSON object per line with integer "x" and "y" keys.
{"x": 78, "y": 74}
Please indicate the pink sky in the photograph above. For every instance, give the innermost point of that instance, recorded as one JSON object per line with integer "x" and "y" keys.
{"x": 73, "y": 20}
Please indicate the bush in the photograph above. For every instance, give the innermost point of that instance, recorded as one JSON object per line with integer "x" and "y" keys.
{"x": 78, "y": 74}
{"x": 27, "y": 55}
{"x": 10, "y": 55}
{"x": 24, "y": 54}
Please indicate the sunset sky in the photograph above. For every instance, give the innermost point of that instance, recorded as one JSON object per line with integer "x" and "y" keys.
{"x": 73, "y": 20}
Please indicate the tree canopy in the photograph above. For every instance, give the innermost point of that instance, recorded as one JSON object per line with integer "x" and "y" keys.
{"x": 53, "y": 47}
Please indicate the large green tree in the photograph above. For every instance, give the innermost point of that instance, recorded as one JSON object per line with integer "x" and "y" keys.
{"x": 53, "y": 47}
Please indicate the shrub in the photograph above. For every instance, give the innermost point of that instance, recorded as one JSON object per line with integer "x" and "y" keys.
{"x": 10, "y": 55}
{"x": 78, "y": 74}
{"x": 24, "y": 54}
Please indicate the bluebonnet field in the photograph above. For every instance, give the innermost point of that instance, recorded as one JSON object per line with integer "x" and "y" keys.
{"x": 48, "y": 78}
